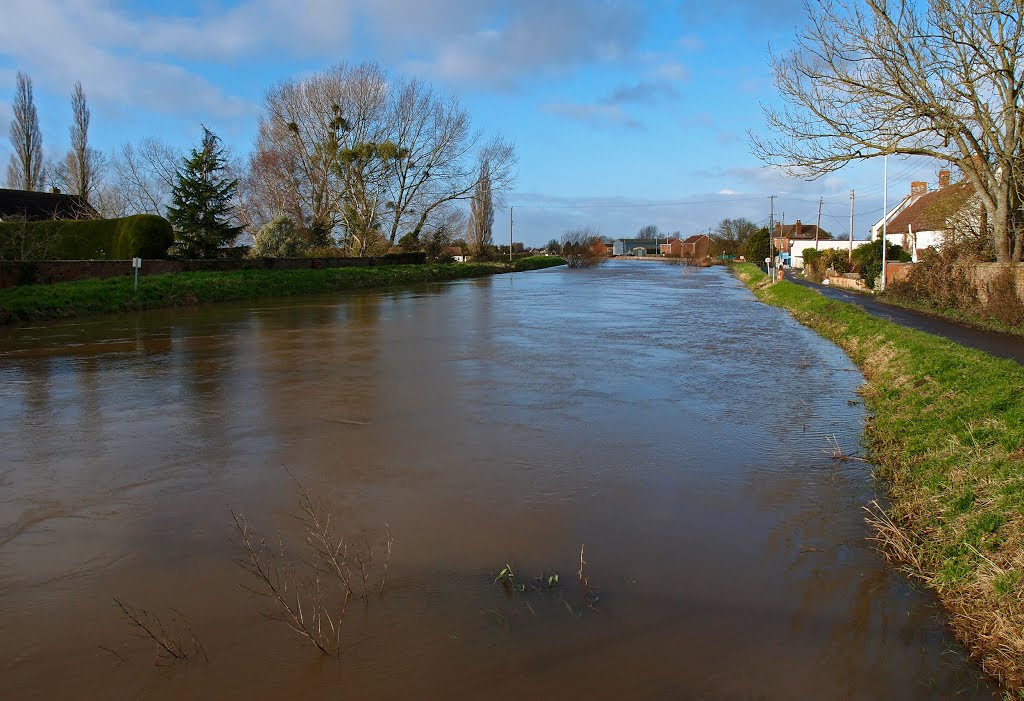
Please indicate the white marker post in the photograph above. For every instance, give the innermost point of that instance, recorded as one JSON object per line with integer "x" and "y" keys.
{"x": 136, "y": 264}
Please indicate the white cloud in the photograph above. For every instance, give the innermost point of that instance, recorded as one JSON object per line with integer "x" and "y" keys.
{"x": 142, "y": 59}
{"x": 596, "y": 115}
{"x": 727, "y": 191}
{"x": 672, "y": 70}
{"x": 55, "y": 43}
{"x": 534, "y": 37}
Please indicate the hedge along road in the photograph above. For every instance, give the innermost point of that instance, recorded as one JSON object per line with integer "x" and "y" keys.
{"x": 656, "y": 415}
{"x": 1001, "y": 345}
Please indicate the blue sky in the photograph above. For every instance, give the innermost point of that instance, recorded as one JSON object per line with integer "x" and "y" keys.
{"x": 624, "y": 113}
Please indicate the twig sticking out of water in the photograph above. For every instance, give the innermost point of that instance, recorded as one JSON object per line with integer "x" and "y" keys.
{"x": 312, "y": 605}
{"x": 175, "y": 641}
{"x": 837, "y": 452}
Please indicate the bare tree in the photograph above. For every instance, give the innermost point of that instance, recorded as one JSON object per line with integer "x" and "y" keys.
{"x": 582, "y": 248}
{"x": 479, "y": 231}
{"x": 351, "y": 152}
{"x": 649, "y": 232}
{"x": 25, "y": 170}
{"x": 938, "y": 78}
{"x": 732, "y": 234}
{"x": 81, "y": 167}
{"x": 438, "y": 144}
{"x": 145, "y": 176}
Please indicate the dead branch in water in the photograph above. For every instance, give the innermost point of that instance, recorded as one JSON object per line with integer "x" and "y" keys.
{"x": 174, "y": 640}
{"x": 312, "y": 605}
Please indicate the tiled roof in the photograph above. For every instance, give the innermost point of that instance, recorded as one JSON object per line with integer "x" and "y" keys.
{"x": 694, "y": 238}
{"x": 932, "y": 211}
{"x": 806, "y": 231}
{"x": 36, "y": 206}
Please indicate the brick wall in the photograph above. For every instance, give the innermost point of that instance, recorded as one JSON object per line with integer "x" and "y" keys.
{"x": 985, "y": 273}
{"x": 44, "y": 272}
{"x": 894, "y": 272}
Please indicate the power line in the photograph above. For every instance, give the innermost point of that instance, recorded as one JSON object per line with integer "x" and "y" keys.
{"x": 638, "y": 205}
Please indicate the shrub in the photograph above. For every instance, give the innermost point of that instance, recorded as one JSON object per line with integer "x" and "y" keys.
{"x": 1004, "y": 303}
{"x": 582, "y": 248}
{"x": 942, "y": 279}
{"x": 757, "y": 246}
{"x": 277, "y": 239}
{"x": 868, "y": 258}
{"x": 138, "y": 236}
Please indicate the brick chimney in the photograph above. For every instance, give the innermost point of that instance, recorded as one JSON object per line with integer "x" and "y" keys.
{"x": 943, "y": 179}
{"x": 919, "y": 187}
{"x": 797, "y": 228}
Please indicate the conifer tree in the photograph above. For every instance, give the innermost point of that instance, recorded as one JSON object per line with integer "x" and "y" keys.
{"x": 201, "y": 210}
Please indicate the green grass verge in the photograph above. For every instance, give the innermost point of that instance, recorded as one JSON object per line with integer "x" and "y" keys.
{"x": 110, "y": 295}
{"x": 947, "y": 436}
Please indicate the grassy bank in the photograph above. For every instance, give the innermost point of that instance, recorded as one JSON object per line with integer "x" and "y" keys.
{"x": 947, "y": 436}
{"x": 72, "y": 299}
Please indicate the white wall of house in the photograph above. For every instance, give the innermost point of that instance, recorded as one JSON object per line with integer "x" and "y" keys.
{"x": 917, "y": 241}
{"x": 798, "y": 247}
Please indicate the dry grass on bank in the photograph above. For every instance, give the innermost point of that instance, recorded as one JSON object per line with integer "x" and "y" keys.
{"x": 947, "y": 436}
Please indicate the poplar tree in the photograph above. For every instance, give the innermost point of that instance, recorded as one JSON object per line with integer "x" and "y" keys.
{"x": 201, "y": 209}
{"x": 25, "y": 171}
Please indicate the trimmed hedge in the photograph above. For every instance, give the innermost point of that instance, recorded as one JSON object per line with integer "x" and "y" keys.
{"x": 138, "y": 236}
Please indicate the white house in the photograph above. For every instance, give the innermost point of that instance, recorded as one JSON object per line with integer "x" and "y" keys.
{"x": 923, "y": 219}
{"x": 797, "y": 248}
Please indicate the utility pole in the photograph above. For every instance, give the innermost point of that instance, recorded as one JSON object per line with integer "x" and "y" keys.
{"x": 771, "y": 227}
{"x": 851, "y": 226}
{"x": 510, "y": 233}
{"x": 885, "y": 213}
{"x": 817, "y": 228}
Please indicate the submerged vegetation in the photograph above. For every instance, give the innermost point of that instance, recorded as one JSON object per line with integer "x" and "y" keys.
{"x": 947, "y": 436}
{"x": 113, "y": 295}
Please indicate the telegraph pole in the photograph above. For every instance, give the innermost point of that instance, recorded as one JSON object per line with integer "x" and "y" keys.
{"x": 885, "y": 213}
{"x": 510, "y": 233}
{"x": 851, "y": 226}
{"x": 771, "y": 228}
{"x": 817, "y": 229}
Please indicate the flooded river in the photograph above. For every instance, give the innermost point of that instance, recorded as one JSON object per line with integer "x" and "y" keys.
{"x": 664, "y": 419}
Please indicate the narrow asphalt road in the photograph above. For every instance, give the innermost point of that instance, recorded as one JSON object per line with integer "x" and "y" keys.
{"x": 1003, "y": 345}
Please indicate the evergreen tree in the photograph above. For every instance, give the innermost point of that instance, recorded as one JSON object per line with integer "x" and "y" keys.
{"x": 201, "y": 209}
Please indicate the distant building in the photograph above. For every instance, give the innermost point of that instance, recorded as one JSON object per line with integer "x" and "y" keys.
{"x": 636, "y": 247}
{"x": 455, "y": 252}
{"x": 785, "y": 234}
{"x": 25, "y": 205}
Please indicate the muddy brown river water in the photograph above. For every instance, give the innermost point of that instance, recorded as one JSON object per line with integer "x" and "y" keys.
{"x": 664, "y": 419}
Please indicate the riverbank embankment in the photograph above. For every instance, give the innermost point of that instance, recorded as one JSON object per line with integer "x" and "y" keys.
{"x": 947, "y": 436}
{"x": 114, "y": 295}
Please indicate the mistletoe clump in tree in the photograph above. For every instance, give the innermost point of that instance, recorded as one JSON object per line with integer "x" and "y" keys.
{"x": 201, "y": 208}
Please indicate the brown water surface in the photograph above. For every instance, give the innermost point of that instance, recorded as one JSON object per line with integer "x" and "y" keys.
{"x": 663, "y": 418}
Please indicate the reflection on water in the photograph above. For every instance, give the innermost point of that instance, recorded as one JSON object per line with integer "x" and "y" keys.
{"x": 666, "y": 420}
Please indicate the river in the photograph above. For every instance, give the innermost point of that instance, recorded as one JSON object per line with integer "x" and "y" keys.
{"x": 658, "y": 416}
